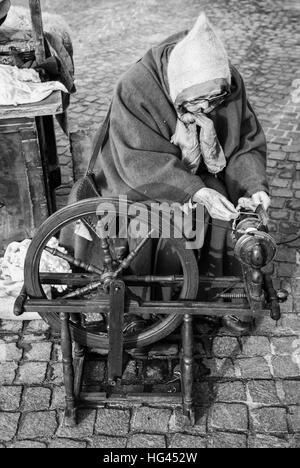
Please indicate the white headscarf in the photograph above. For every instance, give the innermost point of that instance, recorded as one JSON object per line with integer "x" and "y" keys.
{"x": 198, "y": 58}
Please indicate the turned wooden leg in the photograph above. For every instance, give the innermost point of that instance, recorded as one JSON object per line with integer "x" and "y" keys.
{"x": 187, "y": 367}
{"x": 79, "y": 355}
{"x": 66, "y": 346}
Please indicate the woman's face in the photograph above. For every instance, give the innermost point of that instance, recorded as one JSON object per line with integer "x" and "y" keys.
{"x": 204, "y": 97}
{"x": 205, "y": 104}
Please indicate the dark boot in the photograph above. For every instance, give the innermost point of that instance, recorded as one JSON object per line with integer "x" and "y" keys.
{"x": 236, "y": 325}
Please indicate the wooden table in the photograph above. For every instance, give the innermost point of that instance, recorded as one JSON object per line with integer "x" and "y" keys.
{"x": 29, "y": 171}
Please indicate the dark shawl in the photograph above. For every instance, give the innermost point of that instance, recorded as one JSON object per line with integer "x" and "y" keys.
{"x": 139, "y": 159}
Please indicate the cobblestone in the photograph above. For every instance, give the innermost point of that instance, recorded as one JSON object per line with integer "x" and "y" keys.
{"x": 291, "y": 390}
{"x": 58, "y": 398}
{"x": 31, "y": 338}
{"x": 36, "y": 399}
{"x": 9, "y": 352}
{"x": 108, "y": 442}
{"x": 263, "y": 392}
{"x": 31, "y": 373}
{"x": 225, "y": 346}
{"x": 112, "y": 422}
{"x": 151, "y": 420}
{"x": 221, "y": 368}
{"x": 10, "y": 326}
{"x": 229, "y": 417}
{"x": 147, "y": 441}
{"x": 255, "y": 368}
{"x": 8, "y": 425}
{"x": 269, "y": 420}
{"x": 36, "y": 327}
{"x": 294, "y": 415}
{"x": 8, "y": 338}
{"x": 84, "y": 428}
{"x": 56, "y": 353}
{"x": 285, "y": 367}
{"x": 10, "y": 398}
{"x": 7, "y": 372}
{"x": 229, "y": 392}
{"x": 55, "y": 374}
{"x": 67, "y": 444}
{"x": 284, "y": 345}
{"x": 187, "y": 441}
{"x": 38, "y": 352}
{"x": 254, "y": 346}
{"x": 27, "y": 444}
{"x": 295, "y": 443}
{"x": 261, "y": 441}
{"x": 225, "y": 440}
{"x": 37, "y": 425}
{"x": 178, "y": 422}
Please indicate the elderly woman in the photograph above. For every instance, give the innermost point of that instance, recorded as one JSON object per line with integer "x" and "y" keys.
{"x": 182, "y": 129}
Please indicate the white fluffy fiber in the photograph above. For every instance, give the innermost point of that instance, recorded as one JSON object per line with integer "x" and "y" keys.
{"x": 19, "y": 18}
{"x": 12, "y": 266}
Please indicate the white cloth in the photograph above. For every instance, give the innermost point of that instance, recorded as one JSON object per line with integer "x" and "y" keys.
{"x": 12, "y": 266}
{"x": 207, "y": 146}
{"x": 23, "y": 86}
{"x": 198, "y": 58}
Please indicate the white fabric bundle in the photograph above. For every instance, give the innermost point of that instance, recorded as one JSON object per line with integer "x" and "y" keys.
{"x": 23, "y": 86}
{"x": 12, "y": 266}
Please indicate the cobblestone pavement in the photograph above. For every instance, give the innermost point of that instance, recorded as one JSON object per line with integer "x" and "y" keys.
{"x": 249, "y": 389}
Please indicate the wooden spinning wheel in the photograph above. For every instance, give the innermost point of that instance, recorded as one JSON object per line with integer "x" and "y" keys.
{"x": 99, "y": 303}
{"x": 89, "y": 281}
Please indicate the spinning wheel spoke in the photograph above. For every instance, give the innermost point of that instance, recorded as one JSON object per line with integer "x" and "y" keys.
{"x": 67, "y": 279}
{"x": 108, "y": 259}
{"x": 83, "y": 291}
{"x": 149, "y": 279}
{"x": 127, "y": 261}
{"x": 74, "y": 261}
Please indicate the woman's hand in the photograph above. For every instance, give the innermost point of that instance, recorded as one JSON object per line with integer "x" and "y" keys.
{"x": 251, "y": 203}
{"x": 261, "y": 198}
{"x": 216, "y": 204}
